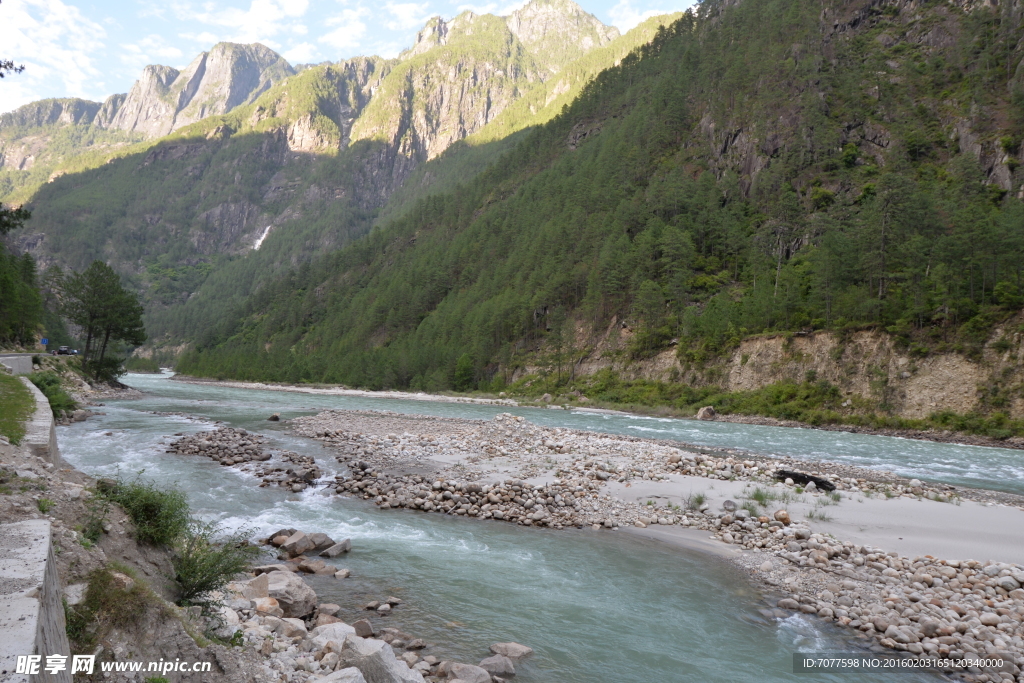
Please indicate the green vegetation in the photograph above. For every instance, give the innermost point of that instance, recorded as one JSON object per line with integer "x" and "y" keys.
{"x": 634, "y": 206}
{"x": 44, "y": 505}
{"x": 95, "y": 301}
{"x": 21, "y": 306}
{"x": 137, "y": 364}
{"x": 114, "y": 599}
{"x": 16, "y": 406}
{"x": 49, "y": 383}
{"x": 206, "y": 560}
{"x": 161, "y": 517}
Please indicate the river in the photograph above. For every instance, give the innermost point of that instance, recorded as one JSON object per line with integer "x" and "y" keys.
{"x": 597, "y": 606}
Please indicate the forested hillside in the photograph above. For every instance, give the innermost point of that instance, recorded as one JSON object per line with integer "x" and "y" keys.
{"x": 763, "y": 166}
{"x": 200, "y": 218}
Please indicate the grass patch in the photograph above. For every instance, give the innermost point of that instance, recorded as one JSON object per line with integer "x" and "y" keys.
{"x": 207, "y": 560}
{"x": 819, "y": 516}
{"x": 114, "y": 599}
{"x": 694, "y": 501}
{"x": 161, "y": 517}
{"x": 16, "y": 406}
{"x": 49, "y": 383}
{"x": 44, "y": 505}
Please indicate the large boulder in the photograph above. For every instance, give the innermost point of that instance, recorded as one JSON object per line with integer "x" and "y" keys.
{"x": 295, "y": 598}
{"x": 468, "y": 673}
{"x": 498, "y": 665}
{"x": 706, "y": 413}
{"x": 337, "y": 549}
{"x": 513, "y": 651}
{"x": 297, "y": 543}
{"x": 338, "y": 632}
{"x": 349, "y": 675}
{"x": 320, "y": 542}
{"x": 376, "y": 660}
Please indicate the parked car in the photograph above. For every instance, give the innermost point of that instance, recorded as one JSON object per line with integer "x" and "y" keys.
{"x": 63, "y": 351}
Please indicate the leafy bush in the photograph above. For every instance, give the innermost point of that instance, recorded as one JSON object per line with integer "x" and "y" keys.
{"x": 49, "y": 383}
{"x": 160, "y": 517}
{"x": 206, "y": 561}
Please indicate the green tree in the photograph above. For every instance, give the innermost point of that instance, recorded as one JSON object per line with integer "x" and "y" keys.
{"x": 106, "y": 312}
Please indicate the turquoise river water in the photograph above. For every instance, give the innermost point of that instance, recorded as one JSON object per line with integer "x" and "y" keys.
{"x": 597, "y": 606}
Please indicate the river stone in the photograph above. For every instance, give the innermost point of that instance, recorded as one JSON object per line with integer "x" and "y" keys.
{"x": 267, "y": 568}
{"x": 513, "y": 651}
{"x": 729, "y": 505}
{"x": 783, "y": 516}
{"x": 498, "y": 665}
{"x": 788, "y": 603}
{"x": 989, "y": 619}
{"x": 321, "y": 542}
{"x": 329, "y": 608}
{"x": 349, "y": 675}
{"x": 337, "y": 632}
{"x": 706, "y": 413}
{"x": 376, "y": 660}
{"x": 292, "y": 594}
{"x": 468, "y": 673}
{"x": 294, "y": 627}
{"x": 297, "y": 544}
{"x": 268, "y": 607}
{"x": 1007, "y": 583}
{"x": 337, "y": 549}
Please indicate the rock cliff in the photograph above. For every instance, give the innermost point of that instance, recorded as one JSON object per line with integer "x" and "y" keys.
{"x": 229, "y": 75}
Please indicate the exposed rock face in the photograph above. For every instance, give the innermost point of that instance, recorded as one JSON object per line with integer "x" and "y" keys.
{"x": 558, "y": 31}
{"x": 164, "y": 99}
{"x": 65, "y": 112}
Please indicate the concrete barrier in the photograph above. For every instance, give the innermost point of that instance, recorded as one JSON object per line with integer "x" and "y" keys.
{"x": 40, "y": 430}
{"x": 18, "y": 363}
{"x": 31, "y": 612}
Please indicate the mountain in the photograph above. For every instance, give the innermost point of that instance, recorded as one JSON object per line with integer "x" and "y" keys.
{"x": 295, "y": 165}
{"x": 164, "y": 99}
{"x": 759, "y": 169}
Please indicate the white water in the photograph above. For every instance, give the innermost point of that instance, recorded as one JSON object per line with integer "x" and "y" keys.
{"x": 596, "y": 606}
{"x": 259, "y": 242}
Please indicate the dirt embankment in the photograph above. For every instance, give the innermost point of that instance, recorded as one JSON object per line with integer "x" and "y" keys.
{"x": 869, "y": 365}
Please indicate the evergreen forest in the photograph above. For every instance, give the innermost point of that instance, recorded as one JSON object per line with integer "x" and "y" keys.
{"x": 770, "y": 166}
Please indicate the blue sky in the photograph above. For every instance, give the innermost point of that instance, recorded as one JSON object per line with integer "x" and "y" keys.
{"x": 93, "y": 48}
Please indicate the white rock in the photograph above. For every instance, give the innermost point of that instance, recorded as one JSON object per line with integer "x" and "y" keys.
{"x": 349, "y": 675}
{"x": 295, "y": 598}
{"x": 376, "y": 660}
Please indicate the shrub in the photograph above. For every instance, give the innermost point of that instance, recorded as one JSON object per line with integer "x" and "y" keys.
{"x": 205, "y": 563}
{"x": 49, "y": 384}
{"x": 160, "y": 517}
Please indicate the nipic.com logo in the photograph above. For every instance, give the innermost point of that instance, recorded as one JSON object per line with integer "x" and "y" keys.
{"x": 30, "y": 664}
{"x": 86, "y": 664}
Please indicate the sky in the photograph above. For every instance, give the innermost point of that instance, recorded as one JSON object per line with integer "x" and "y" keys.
{"x": 94, "y": 48}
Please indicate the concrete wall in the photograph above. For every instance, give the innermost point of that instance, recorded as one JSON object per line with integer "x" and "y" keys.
{"x": 31, "y": 613}
{"x": 40, "y": 430}
{"x": 19, "y": 363}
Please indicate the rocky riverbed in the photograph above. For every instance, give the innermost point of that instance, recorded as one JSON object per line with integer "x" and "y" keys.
{"x": 278, "y": 615}
{"x": 510, "y": 470}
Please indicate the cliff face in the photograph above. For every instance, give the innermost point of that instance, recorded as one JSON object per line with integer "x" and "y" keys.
{"x": 558, "y": 32}
{"x": 164, "y": 99}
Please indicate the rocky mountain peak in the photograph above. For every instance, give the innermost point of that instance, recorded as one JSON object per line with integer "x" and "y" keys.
{"x": 558, "y": 31}
{"x": 230, "y": 74}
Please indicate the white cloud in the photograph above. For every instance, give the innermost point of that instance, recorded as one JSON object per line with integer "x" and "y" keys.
{"x": 303, "y": 53}
{"x": 56, "y": 43}
{"x": 407, "y": 15}
{"x": 263, "y": 20}
{"x": 350, "y": 31}
{"x": 152, "y": 49}
{"x": 494, "y": 8}
{"x": 624, "y": 16}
